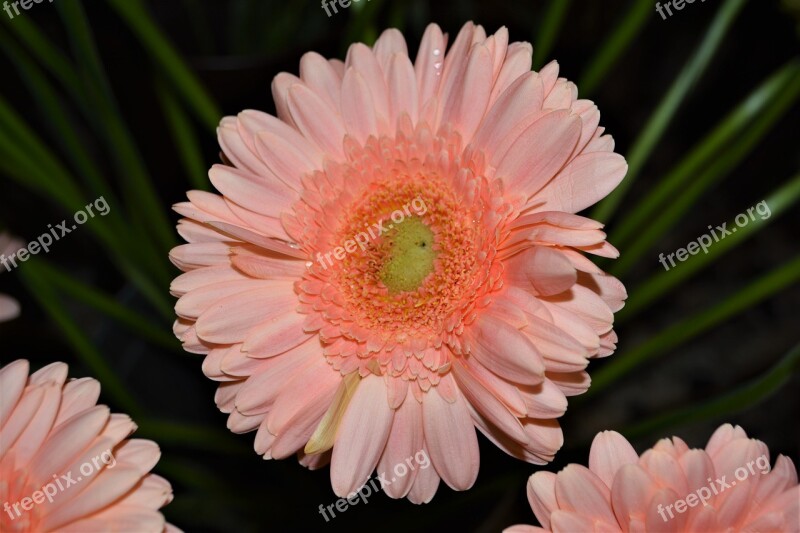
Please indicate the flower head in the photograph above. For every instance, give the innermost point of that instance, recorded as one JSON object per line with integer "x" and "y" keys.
{"x": 395, "y": 260}
{"x": 728, "y": 486}
{"x": 66, "y": 463}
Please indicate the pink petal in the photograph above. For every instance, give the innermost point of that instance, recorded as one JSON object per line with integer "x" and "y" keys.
{"x": 13, "y": 378}
{"x": 580, "y": 490}
{"x": 361, "y": 437}
{"x": 451, "y": 439}
{"x": 541, "y": 490}
{"x": 610, "y": 451}
{"x": 516, "y": 359}
{"x": 540, "y": 152}
{"x": 405, "y": 440}
{"x": 586, "y": 180}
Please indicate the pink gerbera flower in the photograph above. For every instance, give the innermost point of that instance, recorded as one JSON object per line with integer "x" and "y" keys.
{"x": 729, "y": 486}
{"x": 66, "y": 464}
{"x": 9, "y": 307}
{"x": 396, "y": 259}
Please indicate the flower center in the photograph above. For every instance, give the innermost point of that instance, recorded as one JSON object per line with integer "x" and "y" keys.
{"x": 410, "y": 255}
{"x": 413, "y": 232}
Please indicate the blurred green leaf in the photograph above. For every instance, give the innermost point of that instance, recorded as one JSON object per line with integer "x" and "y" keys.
{"x": 172, "y": 432}
{"x": 56, "y": 62}
{"x": 361, "y": 25}
{"x": 692, "y": 326}
{"x": 548, "y": 31}
{"x": 82, "y": 292}
{"x": 744, "y": 397}
{"x": 617, "y": 42}
{"x": 56, "y": 117}
{"x": 142, "y": 202}
{"x": 185, "y": 138}
{"x": 679, "y": 204}
{"x": 159, "y": 47}
{"x": 764, "y": 96}
{"x": 665, "y": 112}
{"x": 54, "y": 111}
{"x": 88, "y": 354}
{"x": 21, "y": 144}
{"x": 22, "y": 155}
{"x": 661, "y": 283}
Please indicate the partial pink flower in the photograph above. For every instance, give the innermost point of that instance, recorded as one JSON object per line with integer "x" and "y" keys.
{"x": 395, "y": 260}
{"x": 9, "y": 307}
{"x": 729, "y": 486}
{"x": 66, "y": 464}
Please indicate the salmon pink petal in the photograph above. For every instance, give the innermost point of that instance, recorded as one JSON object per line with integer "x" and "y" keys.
{"x": 276, "y": 336}
{"x": 514, "y": 111}
{"x": 320, "y": 76}
{"x": 516, "y": 360}
{"x": 540, "y": 152}
{"x": 358, "y": 111}
{"x": 451, "y": 440}
{"x": 316, "y": 120}
{"x": 610, "y": 451}
{"x": 488, "y": 404}
{"x": 542, "y": 496}
{"x": 518, "y": 60}
{"x": 13, "y": 378}
{"x": 403, "y": 97}
{"x": 569, "y": 522}
{"x": 231, "y": 318}
{"x": 361, "y": 437}
{"x": 405, "y": 440}
{"x": 425, "y": 484}
{"x": 9, "y": 308}
{"x": 584, "y": 181}
{"x": 579, "y": 490}
{"x": 429, "y": 63}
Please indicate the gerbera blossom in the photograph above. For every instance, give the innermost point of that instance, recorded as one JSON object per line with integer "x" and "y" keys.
{"x": 9, "y": 307}
{"x": 66, "y": 464}
{"x": 351, "y": 334}
{"x": 728, "y": 486}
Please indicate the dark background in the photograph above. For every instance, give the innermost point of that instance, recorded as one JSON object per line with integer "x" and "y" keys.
{"x": 236, "y": 52}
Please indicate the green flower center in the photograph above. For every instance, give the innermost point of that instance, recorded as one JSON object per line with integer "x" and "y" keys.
{"x": 410, "y": 255}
